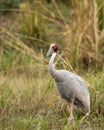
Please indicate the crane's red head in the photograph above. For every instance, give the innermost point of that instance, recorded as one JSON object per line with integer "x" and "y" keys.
{"x": 53, "y": 49}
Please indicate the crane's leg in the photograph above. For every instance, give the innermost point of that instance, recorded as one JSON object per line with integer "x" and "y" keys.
{"x": 71, "y": 117}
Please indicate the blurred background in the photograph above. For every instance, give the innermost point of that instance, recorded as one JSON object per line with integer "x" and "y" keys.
{"x": 28, "y": 96}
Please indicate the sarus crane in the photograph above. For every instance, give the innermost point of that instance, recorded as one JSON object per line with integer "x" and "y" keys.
{"x": 71, "y": 87}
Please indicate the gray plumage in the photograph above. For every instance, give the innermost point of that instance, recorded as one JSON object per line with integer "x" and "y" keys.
{"x": 70, "y": 86}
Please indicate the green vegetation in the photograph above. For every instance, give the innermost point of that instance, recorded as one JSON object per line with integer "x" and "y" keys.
{"x": 8, "y": 4}
{"x": 28, "y": 96}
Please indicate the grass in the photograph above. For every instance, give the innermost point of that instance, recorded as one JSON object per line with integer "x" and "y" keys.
{"x": 28, "y": 96}
{"x": 33, "y": 103}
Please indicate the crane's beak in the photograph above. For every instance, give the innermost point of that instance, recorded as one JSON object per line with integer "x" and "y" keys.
{"x": 49, "y": 52}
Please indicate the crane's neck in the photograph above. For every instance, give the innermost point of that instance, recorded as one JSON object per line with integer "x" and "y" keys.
{"x": 51, "y": 65}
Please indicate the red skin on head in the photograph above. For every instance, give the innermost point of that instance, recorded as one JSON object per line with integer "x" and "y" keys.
{"x": 55, "y": 48}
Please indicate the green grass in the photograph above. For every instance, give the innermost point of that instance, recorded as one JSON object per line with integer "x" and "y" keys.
{"x": 34, "y": 103}
{"x": 28, "y": 96}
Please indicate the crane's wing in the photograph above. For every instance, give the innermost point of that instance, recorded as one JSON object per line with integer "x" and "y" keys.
{"x": 80, "y": 90}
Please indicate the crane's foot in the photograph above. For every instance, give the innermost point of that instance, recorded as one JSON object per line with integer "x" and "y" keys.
{"x": 71, "y": 120}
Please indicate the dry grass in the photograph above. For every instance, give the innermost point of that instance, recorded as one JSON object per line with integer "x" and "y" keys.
{"x": 33, "y": 102}
{"x": 28, "y": 98}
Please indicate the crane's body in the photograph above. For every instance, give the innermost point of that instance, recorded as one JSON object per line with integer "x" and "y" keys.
{"x": 70, "y": 86}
